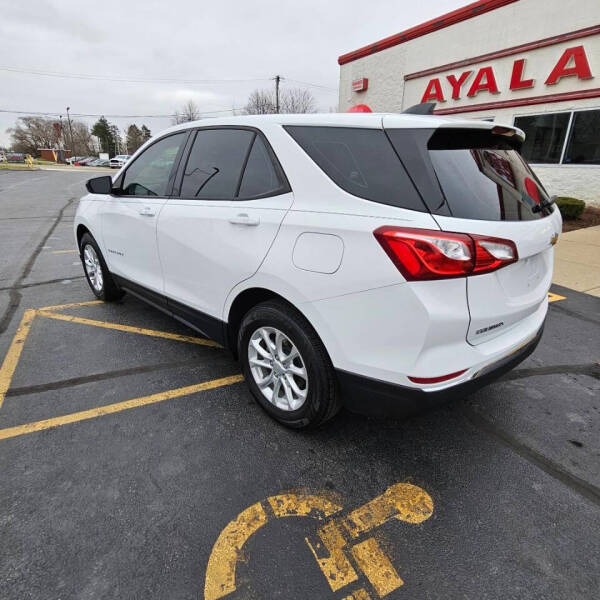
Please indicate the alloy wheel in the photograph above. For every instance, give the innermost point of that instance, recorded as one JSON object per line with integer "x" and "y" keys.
{"x": 93, "y": 268}
{"x": 278, "y": 368}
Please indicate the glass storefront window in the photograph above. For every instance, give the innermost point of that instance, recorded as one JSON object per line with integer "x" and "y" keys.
{"x": 546, "y": 136}
{"x": 549, "y": 134}
{"x": 584, "y": 142}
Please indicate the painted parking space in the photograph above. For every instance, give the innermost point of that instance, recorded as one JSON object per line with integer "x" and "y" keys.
{"x": 55, "y": 312}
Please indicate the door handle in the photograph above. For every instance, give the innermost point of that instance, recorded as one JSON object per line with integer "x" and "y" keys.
{"x": 147, "y": 211}
{"x": 244, "y": 219}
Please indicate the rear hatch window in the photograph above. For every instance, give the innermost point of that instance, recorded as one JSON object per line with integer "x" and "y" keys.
{"x": 360, "y": 161}
{"x": 480, "y": 175}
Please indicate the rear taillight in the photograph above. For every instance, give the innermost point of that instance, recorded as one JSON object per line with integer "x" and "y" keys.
{"x": 424, "y": 254}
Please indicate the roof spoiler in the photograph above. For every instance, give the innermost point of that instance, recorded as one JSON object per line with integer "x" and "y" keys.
{"x": 425, "y": 108}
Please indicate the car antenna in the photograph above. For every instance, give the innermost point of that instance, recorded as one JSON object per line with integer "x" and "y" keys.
{"x": 425, "y": 108}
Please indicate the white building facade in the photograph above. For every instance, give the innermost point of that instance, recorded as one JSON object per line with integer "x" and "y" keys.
{"x": 530, "y": 63}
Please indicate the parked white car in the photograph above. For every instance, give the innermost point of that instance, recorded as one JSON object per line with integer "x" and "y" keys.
{"x": 118, "y": 161}
{"x": 379, "y": 260}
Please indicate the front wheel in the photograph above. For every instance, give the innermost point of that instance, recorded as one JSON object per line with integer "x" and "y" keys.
{"x": 286, "y": 366}
{"x": 96, "y": 272}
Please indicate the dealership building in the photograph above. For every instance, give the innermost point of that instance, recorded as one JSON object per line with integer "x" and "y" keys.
{"x": 534, "y": 64}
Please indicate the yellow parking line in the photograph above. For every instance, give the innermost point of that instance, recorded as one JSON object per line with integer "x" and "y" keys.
{"x": 14, "y": 353}
{"x": 72, "y": 305}
{"x": 64, "y": 251}
{"x": 554, "y": 297}
{"x": 100, "y": 411}
{"x": 129, "y": 329}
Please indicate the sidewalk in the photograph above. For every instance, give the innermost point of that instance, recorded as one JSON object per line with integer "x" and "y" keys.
{"x": 577, "y": 260}
{"x": 75, "y": 169}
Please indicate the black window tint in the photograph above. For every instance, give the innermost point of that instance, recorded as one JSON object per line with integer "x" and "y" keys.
{"x": 545, "y": 136}
{"x": 584, "y": 147}
{"x": 484, "y": 177}
{"x": 260, "y": 177}
{"x": 215, "y": 163}
{"x": 361, "y": 162}
{"x": 149, "y": 174}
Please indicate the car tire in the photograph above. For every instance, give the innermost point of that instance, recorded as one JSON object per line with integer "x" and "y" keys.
{"x": 104, "y": 286}
{"x": 301, "y": 380}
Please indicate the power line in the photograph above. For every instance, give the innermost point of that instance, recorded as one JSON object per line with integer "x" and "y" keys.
{"x": 58, "y": 113}
{"x": 124, "y": 79}
{"x": 316, "y": 85}
{"x": 151, "y": 80}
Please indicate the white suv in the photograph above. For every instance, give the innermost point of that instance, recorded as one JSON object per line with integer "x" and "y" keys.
{"x": 118, "y": 161}
{"x": 376, "y": 260}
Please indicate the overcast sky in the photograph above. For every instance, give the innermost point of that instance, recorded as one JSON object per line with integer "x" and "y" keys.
{"x": 182, "y": 40}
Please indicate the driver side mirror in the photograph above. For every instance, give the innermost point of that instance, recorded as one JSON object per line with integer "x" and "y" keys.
{"x": 100, "y": 185}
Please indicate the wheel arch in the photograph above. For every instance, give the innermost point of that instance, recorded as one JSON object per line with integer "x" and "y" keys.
{"x": 80, "y": 232}
{"x": 248, "y": 298}
{"x": 241, "y": 304}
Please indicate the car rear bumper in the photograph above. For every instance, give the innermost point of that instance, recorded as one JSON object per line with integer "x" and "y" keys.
{"x": 380, "y": 398}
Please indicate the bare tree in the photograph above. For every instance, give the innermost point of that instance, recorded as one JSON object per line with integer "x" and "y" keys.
{"x": 297, "y": 101}
{"x": 293, "y": 101}
{"x": 32, "y": 133}
{"x": 82, "y": 139}
{"x": 188, "y": 112}
{"x": 260, "y": 102}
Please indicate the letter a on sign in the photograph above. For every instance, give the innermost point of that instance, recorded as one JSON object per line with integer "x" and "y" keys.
{"x": 433, "y": 92}
{"x": 485, "y": 81}
{"x": 575, "y": 57}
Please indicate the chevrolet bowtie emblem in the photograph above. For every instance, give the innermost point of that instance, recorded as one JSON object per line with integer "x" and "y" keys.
{"x": 554, "y": 239}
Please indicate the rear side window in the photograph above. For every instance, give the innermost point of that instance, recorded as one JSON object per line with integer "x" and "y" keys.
{"x": 360, "y": 161}
{"x": 215, "y": 164}
{"x": 481, "y": 176}
{"x": 260, "y": 177}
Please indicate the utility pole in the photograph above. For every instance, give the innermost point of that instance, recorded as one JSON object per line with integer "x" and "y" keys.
{"x": 277, "y": 79}
{"x": 70, "y": 131}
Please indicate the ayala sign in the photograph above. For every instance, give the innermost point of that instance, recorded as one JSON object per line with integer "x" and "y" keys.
{"x": 572, "y": 63}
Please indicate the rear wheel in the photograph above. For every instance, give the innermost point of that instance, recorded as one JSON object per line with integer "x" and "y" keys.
{"x": 286, "y": 366}
{"x": 96, "y": 272}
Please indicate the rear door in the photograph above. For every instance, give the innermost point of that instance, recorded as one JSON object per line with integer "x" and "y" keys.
{"x": 484, "y": 187}
{"x": 231, "y": 198}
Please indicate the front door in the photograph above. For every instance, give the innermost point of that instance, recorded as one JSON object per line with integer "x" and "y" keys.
{"x": 129, "y": 217}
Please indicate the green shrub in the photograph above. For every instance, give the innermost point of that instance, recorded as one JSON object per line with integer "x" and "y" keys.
{"x": 570, "y": 208}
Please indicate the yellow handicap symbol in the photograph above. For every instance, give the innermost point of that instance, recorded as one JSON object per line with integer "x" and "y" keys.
{"x": 336, "y": 546}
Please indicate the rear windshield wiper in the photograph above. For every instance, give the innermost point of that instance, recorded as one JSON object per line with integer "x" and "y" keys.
{"x": 543, "y": 204}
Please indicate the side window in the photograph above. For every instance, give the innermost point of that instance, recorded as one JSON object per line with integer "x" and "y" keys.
{"x": 260, "y": 177}
{"x": 215, "y": 164}
{"x": 360, "y": 161}
{"x": 149, "y": 174}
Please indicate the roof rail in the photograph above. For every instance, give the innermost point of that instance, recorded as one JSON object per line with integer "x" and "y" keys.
{"x": 425, "y": 108}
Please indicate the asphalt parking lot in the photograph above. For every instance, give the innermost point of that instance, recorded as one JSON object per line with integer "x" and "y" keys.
{"x": 135, "y": 464}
